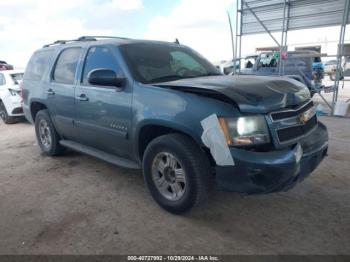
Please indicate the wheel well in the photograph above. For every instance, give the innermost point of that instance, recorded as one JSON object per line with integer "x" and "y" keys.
{"x": 150, "y": 132}
{"x": 35, "y": 107}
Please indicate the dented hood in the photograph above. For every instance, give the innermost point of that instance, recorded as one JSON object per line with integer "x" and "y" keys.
{"x": 251, "y": 94}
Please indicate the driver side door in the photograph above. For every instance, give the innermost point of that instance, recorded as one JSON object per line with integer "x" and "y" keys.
{"x": 103, "y": 113}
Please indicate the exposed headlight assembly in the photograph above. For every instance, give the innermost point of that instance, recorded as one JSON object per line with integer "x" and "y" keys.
{"x": 244, "y": 131}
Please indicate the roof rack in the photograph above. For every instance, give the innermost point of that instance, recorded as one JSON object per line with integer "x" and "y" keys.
{"x": 83, "y": 38}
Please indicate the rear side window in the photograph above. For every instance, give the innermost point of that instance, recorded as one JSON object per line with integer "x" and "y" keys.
{"x": 66, "y": 65}
{"x": 37, "y": 65}
{"x": 99, "y": 57}
{"x": 2, "y": 80}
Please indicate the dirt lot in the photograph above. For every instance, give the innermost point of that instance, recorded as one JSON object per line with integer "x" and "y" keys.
{"x": 80, "y": 205}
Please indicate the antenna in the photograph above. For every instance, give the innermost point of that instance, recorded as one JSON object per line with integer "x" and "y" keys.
{"x": 232, "y": 43}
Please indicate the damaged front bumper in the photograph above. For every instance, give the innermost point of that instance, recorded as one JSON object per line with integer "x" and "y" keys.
{"x": 280, "y": 170}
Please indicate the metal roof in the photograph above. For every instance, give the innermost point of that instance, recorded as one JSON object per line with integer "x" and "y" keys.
{"x": 302, "y": 14}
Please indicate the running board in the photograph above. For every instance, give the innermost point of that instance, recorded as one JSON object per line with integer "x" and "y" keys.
{"x": 112, "y": 159}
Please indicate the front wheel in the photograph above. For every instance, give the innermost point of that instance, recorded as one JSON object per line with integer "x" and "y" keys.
{"x": 177, "y": 172}
{"x": 47, "y": 137}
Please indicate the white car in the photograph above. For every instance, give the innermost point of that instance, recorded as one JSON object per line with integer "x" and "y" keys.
{"x": 10, "y": 96}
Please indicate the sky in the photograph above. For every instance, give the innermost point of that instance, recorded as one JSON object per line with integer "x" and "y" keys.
{"x": 26, "y": 25}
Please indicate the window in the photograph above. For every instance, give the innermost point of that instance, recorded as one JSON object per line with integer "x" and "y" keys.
{"x": 99, "y": 57}
{"x": 2, "y": 80}
{"x": 66, "y": 66}
{"x": 182, "y": 61}
{"x": 37, "y": 65}
{"x": 268, "y": 60}
{"x": 153, "y": 63}
{"x": 249, "y": 62}
{"x": 16, "y": 78}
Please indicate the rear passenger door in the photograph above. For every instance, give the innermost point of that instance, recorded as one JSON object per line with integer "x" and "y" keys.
{"x": 60, "y": 93}
{"x": 103, "y": 113}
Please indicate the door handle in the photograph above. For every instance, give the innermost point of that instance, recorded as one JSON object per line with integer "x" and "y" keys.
{"x": 50, "y": 92}
{"x": 82, "y": 97}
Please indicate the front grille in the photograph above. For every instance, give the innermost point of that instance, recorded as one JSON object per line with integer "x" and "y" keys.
{"x": 294, "y": 132}
{"x": 291, "y": 112}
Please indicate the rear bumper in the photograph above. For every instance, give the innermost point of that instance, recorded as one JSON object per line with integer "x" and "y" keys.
{"x": 13, "y": 106}
{"x": 264, "y": 172}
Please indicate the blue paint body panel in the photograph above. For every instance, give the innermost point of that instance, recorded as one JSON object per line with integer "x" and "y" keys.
{"x": 112, "y": 119}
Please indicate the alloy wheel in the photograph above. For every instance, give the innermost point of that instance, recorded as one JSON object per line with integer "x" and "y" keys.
{"x": 45, "y": 134}
{"x": 169, "y": 176}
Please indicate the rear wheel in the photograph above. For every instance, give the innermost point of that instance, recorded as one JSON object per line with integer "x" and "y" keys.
{"x": 177, "y": 172}
{"x": 4, "y": 115}
{"x": 47, "y": 137}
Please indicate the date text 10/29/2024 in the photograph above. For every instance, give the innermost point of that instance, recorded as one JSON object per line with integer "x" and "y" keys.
{"x": 173, "y": 258}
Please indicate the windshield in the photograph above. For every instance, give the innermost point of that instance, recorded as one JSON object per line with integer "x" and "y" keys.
{"x": 155, "y": 63}
{"x": 17, "y": 78}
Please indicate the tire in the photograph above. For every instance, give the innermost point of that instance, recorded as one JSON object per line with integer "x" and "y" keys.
{"x": 4, "y": 115}
{"x": 194, "y": 184}
{"x": 47, "y": 137}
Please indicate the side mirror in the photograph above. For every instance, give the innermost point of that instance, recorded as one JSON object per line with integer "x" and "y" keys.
{"x": 105, "y": 77}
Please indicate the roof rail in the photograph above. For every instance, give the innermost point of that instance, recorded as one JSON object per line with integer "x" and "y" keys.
{"x": 83, "y": 38}
{"x": 96, "y": 37}
{"x": 58, "y": 42}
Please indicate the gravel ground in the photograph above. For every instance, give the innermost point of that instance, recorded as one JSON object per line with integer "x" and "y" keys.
{"x": 80, "y": 205}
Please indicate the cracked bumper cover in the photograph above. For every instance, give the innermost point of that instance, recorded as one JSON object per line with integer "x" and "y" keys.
{"x": 280, "y": 170}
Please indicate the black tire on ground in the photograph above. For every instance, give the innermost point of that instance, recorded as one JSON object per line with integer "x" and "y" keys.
{"x": 4, "y": 115}
{"x": 193, "y": 161}
{"x": 53, "y": 148}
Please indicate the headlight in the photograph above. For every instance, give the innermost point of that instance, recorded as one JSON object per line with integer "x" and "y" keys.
{"x": 249, "y": 130}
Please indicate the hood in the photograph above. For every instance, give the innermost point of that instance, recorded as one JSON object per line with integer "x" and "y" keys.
{"x": 251, "y": 94}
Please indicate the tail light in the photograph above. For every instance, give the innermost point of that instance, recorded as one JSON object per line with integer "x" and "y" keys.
{"x": 21, "y": 92}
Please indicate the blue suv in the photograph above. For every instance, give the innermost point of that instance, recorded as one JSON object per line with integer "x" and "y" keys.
{"x": 163, "y": 108}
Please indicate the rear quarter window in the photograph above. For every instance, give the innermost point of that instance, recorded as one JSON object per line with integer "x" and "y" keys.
{"x": 66, "y": 65}
{"x": 2, "y": 80}
{"x": 37, "y": 65}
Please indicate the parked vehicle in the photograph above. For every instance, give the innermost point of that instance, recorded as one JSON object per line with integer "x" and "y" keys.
{"x": 163, "y": 108}
{"x": 10, "y": 99}
{"x": 331, "y": 68}
{"x": 5, "y": 66}
{"x": 226, "y": 67}
{"x": 247, "y": 64}
{"x": 298, "y": 65}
